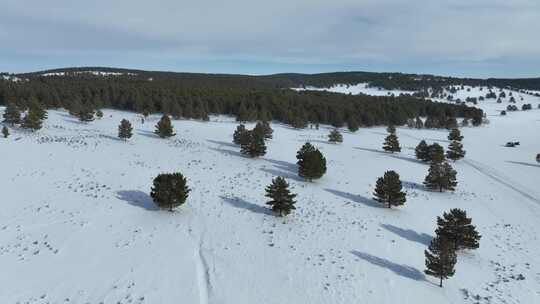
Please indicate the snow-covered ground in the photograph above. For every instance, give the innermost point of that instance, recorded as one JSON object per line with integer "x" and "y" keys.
{"x": 361, "y": 88}
{"x": 77, "y": 224}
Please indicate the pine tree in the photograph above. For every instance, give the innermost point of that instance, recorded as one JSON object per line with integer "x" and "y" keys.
{"x": 436, "y": 153}
{"x": 282, "y": 200}
{"x": 335, "y": 136}
{"x": 32, "y": 120}
{"x": 125, "y": 130}
{"x": 455, "y": 151}
{"x": 12, "y": 115}
{"x": 457, "y": 228}
{"x": 391, "y": 143}
{"x": 311, "y": 162}
{"x": 418, "y": 123}
{"x": 240, "y": 134}
{"x": 388, "y": 190}
{"x": 422, "y": 151}
{"x": 164, "y": 127}
{"x": 391, "y": 129}
{"x": 440, "y": 259}
{"x": 455, "y": 135}
{"x": 5, "y": 131}
{"x": 263, "y": 129}
{"x": 99, "y": 114}
{"x": 40, "y": 112}
{"x": 254, "y": 145}
{"x": 86, "y": 113}
{"x": 352, "y": 124}
{"x": 169, "y": 190}
{"x": 441, "y": 177}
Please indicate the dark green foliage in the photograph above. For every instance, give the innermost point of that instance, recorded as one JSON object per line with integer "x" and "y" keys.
{"x": 5, "y": 131}
{"x": 240, "y": 135}
{"x": 125, "y": 130}
{"x": 282, "y": 200}
{"x": 99, "y": 114}
{"x": 254, "y": 145}
{"x": 263, "y": 129}
{"x": 440, "y": 259}
{"x": 32, "y": 120}
{"x": 455, "y": 135}
{"x": 391, "y": 143}
{"x": 170, "y": 190}
{"x": 38, "y": 109}
{"x": 451, "y": 123}
{"x": 441, "y": 176}
{"x": 455, "y": 151}
{"x": 311, "y": 162}
{"x": 164, "y": 127}
{"x": 352, "y": 124}
{"x": 86, "y": 113}
{"x": 422, "y": 151}
{"x": 388, "y": 190}
{"x": 335, "y": 136}
{"x": 457, "y": 228}
{"x": 391, "y": 129}
{"x": 418, "y": 123}
{"x": 12, "y": 115}
{"x": 436, "y": 153}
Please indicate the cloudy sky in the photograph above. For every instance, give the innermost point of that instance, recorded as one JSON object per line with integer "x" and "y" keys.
{"x": 477, "y": 38}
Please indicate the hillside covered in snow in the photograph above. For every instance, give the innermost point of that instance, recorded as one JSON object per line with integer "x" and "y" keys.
{"x": 78, "y": 224}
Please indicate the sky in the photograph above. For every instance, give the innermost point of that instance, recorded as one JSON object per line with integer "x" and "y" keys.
{"x": 467, "y": 38}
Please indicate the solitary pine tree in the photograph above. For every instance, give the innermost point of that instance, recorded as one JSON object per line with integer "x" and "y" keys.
{"x": 169, "y": 190}
{"x": 12, "y": 115}
{"x": 388, "y": 190}
{"x": 440, "y": 259}
{"x": 5, "y": 131}
{"x": 311, "y": 163}
{"x": 455, "y": 151}
{"x": 240, "y": 135}
{"x": 32, "y": 120}
{"x": 254, "y": 145}
{"x": 422, "y": 151}
{"x": 164, "y": 127}
{"x": 282, "y": 200}
{"x": 457, "y": 228}
{"x": 125, "y": 130}
{"x": 335, "y": 136}
{"x": 391, "y": 143}
{"x": 99, "y": 114}
{"x": 436, "y": 153}
{"x": 455, "y": 135}
{"x": 441, "y": 177}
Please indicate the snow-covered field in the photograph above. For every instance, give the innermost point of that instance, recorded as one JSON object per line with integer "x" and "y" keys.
{"x": 361, "y": 88}
{"x": 77, "y": 224}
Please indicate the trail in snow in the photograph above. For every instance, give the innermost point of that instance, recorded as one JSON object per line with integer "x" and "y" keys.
{"x": 494, "y": 175}
{"x": 203, "y": 275}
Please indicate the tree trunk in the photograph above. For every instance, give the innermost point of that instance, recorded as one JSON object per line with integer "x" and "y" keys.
{"x": 440, "y": 284}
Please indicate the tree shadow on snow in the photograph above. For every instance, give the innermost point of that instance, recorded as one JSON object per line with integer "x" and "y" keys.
{"x": 283, "y": 165}
{"x": 284, "y": 174}
{"x": 393, "y": 155}
{"x": 243, "y": 204}
{"x": 402, "y": 270}
{"x": 523, "y": 163}
{"x": 414, "y": 186}
{"x": 409, "y": 234}
{"x": 137, "y": 198}
{"x": 147, "y": 133}
{"x": 223, "y": 143}
{"x": 229, "y": 152}
{"x": 356, "y": 198}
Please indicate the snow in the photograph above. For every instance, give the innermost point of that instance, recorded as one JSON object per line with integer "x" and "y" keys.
{"x": 77, "y": 224}
{"x": 11, "y": 78}
{"x": 361, "y": 88}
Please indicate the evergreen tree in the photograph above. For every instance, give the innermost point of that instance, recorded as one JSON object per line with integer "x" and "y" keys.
{"x": 32, "y": 120}
{"x": 86, "y": 114}
{"x": 170, "y": 190}
{"x": 335, "y": 136}
{"x": 352, "y": 124}
{"x": 99, "y": 114}
{"x": 391, "y": 129}
{"x": 5, "y": 131}
{"x": 418, "y": 123}
{"x": 441, "y": 177}
{"x": 391, "y": 143}
{"x": 164, "y": 127}
{"x": 388, "y": 190}
{"x": 455, "y": 151}
{"x": 457, "y": 228}
{"x": 422, "y": 151}
{"x": 240, "y": 135}
{"x": 125, "y": 130}
{"x": 38, "y": 109}
{"x": 264, "y": 130}
{"x": 436, "y": 153}
{"x": 311, "y": 162}
{"x": 282, "y": 200}
{"x": 12, "y": 115}
{"x": 440, "y": 259}
{"x": 455, "y": 135}
{"x": 254, "y": 145}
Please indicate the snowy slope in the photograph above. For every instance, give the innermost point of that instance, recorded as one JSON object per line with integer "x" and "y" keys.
{"x": 78, "y": 226}
{"x": 361, "y": 88}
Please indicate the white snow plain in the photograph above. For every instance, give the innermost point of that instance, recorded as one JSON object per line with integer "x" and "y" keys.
{"x": 77, "y": 224}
